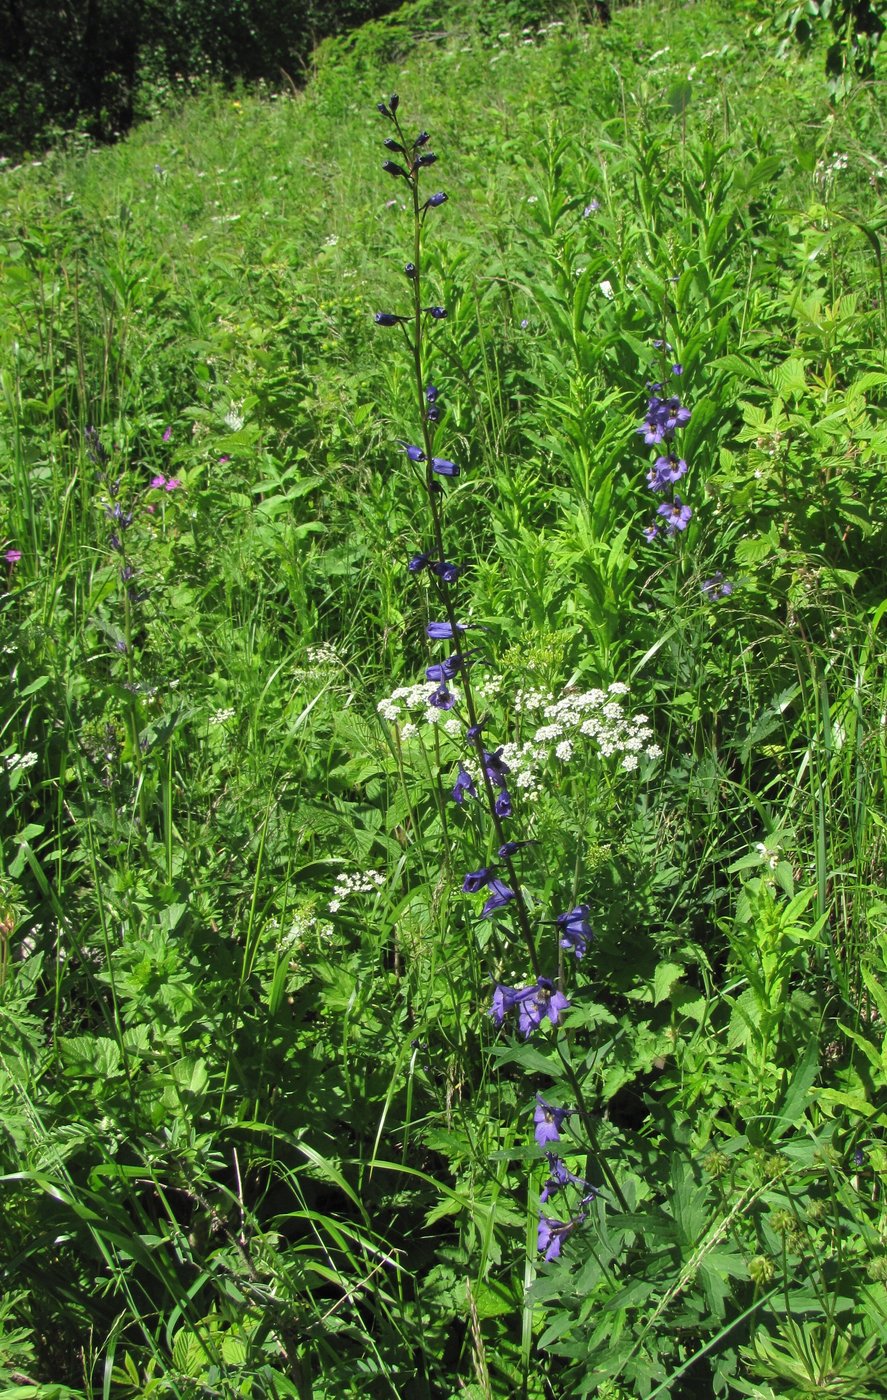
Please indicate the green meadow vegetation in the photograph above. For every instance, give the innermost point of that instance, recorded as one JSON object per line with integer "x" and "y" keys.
{"x": 280, "y": 1091}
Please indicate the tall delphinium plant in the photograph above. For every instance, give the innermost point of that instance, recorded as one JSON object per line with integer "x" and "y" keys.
{"x": 487, "y": 772}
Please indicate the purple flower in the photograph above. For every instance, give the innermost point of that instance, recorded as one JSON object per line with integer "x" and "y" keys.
{"x": 422, "y": 139}
{"x": 388, "y": 318}
{"x": 560, "y": 1178}
{"x": 591, "y": 208}
{"x": 158, "y": 482}
{"x": 534, "y": 1003}
{"x": 12, "y": 557}
{"x": 394, "y": 102}
{"x": 524, "y": 324}
{"x": 662, "y": 345}
{"x": 677, "y": 369}
{"x": 665, "y": 472}
{"x": 418, "y": 563}
{"x": 431, "y": 393}
{"x": 651, "y": 533}
{"x": 444, "y": 467}
{"x": 496, "y": 767}
{"x": 435, "y": 200}
{"x": 717, "y": 587}
{"x": 442, "y": 631}
{"x": 438, "y": 312}
{"x": 445, "y": 670}
{"x": 393, "y": 168}
{"x": 503, "y": 804}
{"x": 391, "y": 145}
{"x": 414, "y": 453}
{"x": 676, "y": 515}
{"x": 442, "y": 699}
{"x": 500, "y": 895}
{"x": 167, "y": 434}
{"x": 663, "y": 417}
{"x": 548, "y": 1121}
{"x": 575, "y": 929}
{"x": 172, "y": 484}
{"x": 475, "y": 880}
{"x": 546, "y": 1001}
{"x": 551, "y": 1236}
{"x": 464, "y": 783}
{"x": 427, "y": 158}
{"x": 447, "y": 573}
{"x": 511, "y": 848}
{"x": 410, "y": 270}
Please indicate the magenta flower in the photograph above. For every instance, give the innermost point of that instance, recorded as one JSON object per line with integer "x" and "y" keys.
{"x": 158, "y": 483}
{"x": 12, "y": 557}
{"x": 167, "y": 434}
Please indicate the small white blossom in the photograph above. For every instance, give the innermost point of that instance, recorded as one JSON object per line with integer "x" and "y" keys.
{"x": 20, "y": 761}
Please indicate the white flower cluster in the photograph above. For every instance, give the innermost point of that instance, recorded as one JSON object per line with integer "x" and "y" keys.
{"x": 415, "y": 697}
{"x": 591, "y": 714}
{"x": 324, "y": 655}
{"x": 221, "y": 716}
{"x": 366, "y": 882}
{"x": 20, "y": 762}
{"x": 303, "y": 926}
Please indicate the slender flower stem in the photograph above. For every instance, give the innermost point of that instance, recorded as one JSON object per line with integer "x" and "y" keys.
{"x": 434, "y": 494}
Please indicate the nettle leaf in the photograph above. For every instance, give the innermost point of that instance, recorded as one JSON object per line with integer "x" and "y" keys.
{"x": 90, "y": 1056}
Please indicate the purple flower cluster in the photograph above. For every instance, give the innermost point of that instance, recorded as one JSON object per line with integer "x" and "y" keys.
{"x": 664, "y": 416}
{"x": 533, "y": 1004}
{"x": 717, "y": 587}
{"x": 552, "y": 1232}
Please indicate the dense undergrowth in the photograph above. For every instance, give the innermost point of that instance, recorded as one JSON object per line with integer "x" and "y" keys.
{"x": 261, "y": 1136}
